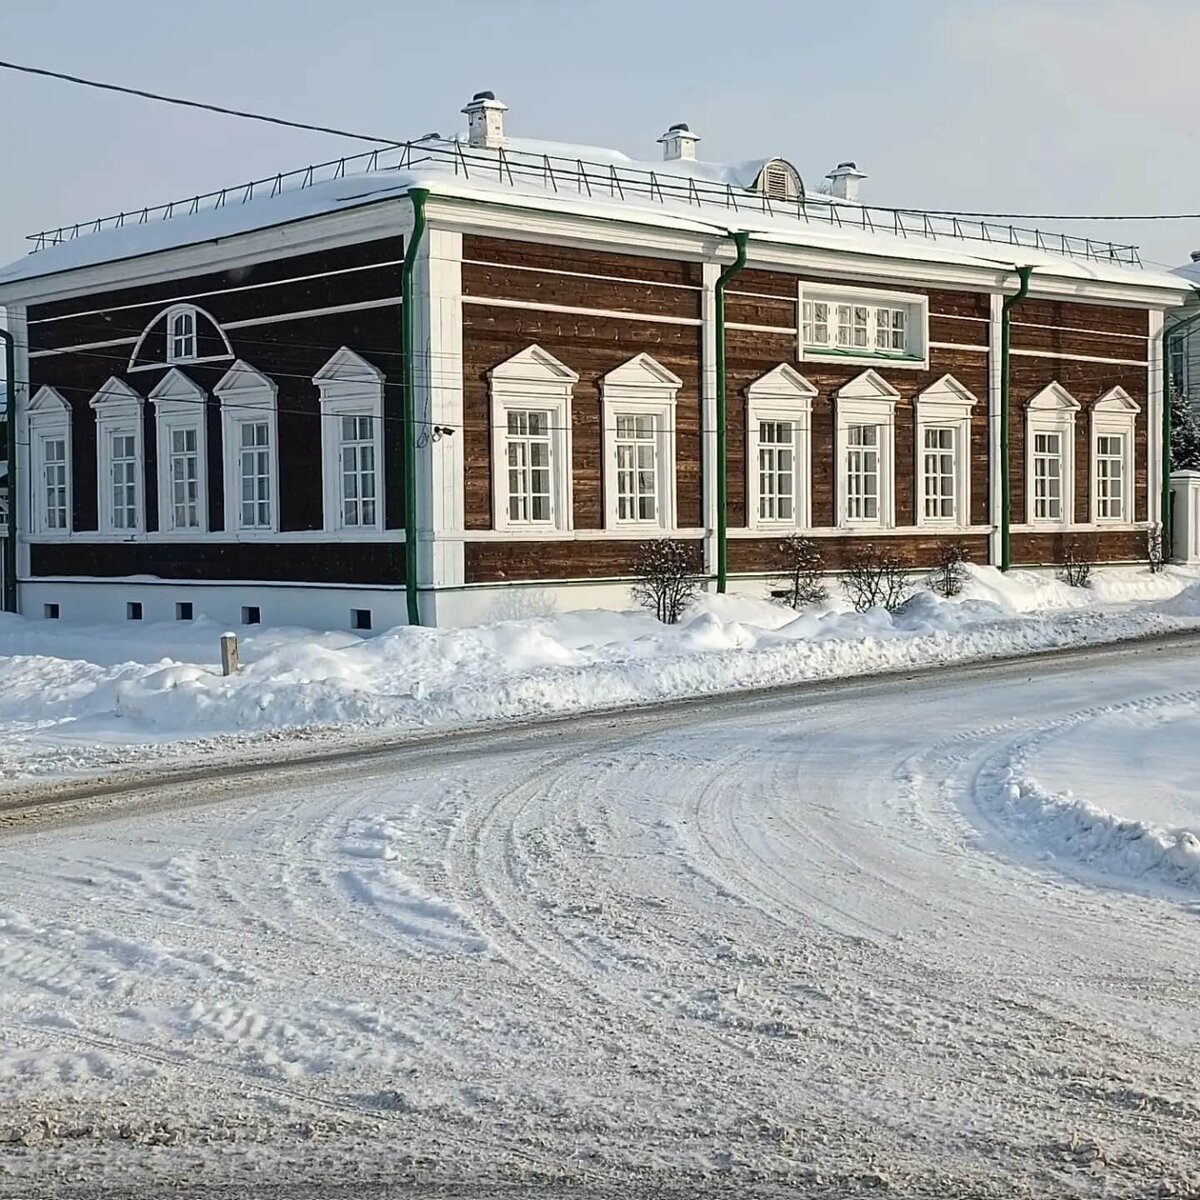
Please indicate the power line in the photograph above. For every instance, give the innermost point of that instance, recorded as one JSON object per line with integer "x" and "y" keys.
{"x": 182, "y": 103}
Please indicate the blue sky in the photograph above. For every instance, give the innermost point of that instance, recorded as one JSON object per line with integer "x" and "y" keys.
{"x": 1017, "y": 106}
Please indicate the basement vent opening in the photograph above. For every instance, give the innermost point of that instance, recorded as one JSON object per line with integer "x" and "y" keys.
{"x": 184, "y": 611}
{"x": 50, "y": 612}
{"x": 251, "y": 615}
{"x": 360, "y": 618}
{"x": 133, "y": 610}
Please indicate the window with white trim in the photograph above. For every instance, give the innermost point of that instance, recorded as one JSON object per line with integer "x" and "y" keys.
{"x": 120, "y": 469}
{"x": 531, "y": 441}
{"x": 778, "y": 446}
{"x": 638, "y": 415}
{"x": 48, "y": 418}
{"x": 352, "y": 442}
{"x": 848, "y": 323}
{"x": 1113, "y": 425}
{"x": 249, "y": 434}
{"x": 943, "y": 453}
{"x": 180, "y": 414}
{"x": 1050, "y": 456}
{"x": 181, "y": 335}
{"x": 866, "y": 434}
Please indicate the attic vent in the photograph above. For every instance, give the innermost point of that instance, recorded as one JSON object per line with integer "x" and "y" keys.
{"x": 776, "y": 182}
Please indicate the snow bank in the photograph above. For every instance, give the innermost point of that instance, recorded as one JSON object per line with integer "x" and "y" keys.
{"x": 74, "y": 697}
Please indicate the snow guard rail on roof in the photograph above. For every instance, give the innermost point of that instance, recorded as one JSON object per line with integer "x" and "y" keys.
{"x": 612, "y": 181}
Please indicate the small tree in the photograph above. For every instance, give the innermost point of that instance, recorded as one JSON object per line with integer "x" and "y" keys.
{"x": 1075, "y": 570}
{"x": 1185, "y": 434}
{"x": 666, "y": 578}
{"x": 876, "y": 577}
{"x": 1154, "y": 549}
{"x": 949, "y": 572}
{"x": 803, "y": 566}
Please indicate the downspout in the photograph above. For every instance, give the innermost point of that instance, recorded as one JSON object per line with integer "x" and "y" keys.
{"x": 740, "y": 239}
{"x": 10, "y": 426}
{"x": 409, "y": 409}
{"x": 1010, "y": 302}
{"x": 1169, "y": 335}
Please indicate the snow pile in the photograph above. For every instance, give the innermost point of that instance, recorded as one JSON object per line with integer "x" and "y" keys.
{"x": 1064, "y": 827}
{"x": 73, "y": 697}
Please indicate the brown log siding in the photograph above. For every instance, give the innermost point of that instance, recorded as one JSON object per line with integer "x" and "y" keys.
{"x": 764, "y": 556}
{"x": 495, "y": 562}
{"x": 1048, "y": 549}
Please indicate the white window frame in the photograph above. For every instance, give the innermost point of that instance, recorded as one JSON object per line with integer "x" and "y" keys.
{"x": 641, "y": 387}
{"x": 1052, "y": 410}
{"x": 946, "y": 404}
{"x": 868, "y": 399}
{"x": 1114, "y": 415}
{"x": 782, "y": 394}
{"x": 247, "y": 396}
{"x": 349, "y": 387}
{"x": 173, "y": 315}
{"x": 48, "y": 417}
{"x": 916, "y": 308}
{"x": 180, "y": 403}
{"x": 533, "y": 380}
{"x": 118, "y": 410}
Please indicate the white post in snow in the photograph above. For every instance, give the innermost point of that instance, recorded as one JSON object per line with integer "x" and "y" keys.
{"x": 1185, "y": 517}
{"x": 229, "y": 654}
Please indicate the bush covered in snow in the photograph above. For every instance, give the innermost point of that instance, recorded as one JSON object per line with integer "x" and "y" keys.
{"x": 876, "y": 578}
{"x": 804, "y": 567}
{"x": 667, "y": 578}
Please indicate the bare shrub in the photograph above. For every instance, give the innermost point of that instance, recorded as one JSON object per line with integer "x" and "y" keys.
{"x": 803, "y": 580}
{"x": 1154, "y": 549}
{"x": 949, "y": 572}
{"x": 875, "y": 577}
{"x": 666, "y": 578}
{"x": 1075, "y": 569}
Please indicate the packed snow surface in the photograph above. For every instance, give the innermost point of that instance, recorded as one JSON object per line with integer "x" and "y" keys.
{"x": 834, "y": 944}
{"x": 77, "y": 698}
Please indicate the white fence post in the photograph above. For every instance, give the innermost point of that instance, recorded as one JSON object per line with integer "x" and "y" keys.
{"x": 1185, "y": 517}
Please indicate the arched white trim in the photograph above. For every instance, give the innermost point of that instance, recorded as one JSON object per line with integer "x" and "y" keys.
{"x": 637, "y": 404}
{"x": 181, "y": 433}
{"x": 164, "y": 317}
{"x": 777, "y": 403}
{"x": 351, "y": 442}
{"x": 249, "y": 448}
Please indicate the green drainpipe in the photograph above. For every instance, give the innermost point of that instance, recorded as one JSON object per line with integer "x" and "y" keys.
{"x": 739, "y": 241}
{"x": 10, "y": 425}
{"x": 1169, "y": 336}
{"x": 1010, "y": 302}
{"x": 409, "y": 414}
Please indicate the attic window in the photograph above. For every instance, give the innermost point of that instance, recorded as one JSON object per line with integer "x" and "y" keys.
{"x": 863, "y": 326}
{"x": 181, "y": 335}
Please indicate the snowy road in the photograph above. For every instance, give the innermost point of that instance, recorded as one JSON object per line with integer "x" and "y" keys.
{"x": 795, "y": 942}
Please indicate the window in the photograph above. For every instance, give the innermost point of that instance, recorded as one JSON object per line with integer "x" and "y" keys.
{"x": 531, "y": 441}
{"x": 133, "y": 610}
{"x": 863, "y": 325}
{"x": 1047, "y": 477}
{"x": 49, "y": 428}
{"x": 1110, "y": 477}
{"x": 181, "y": 335}
{"x": 249, "y": 433}
{"x": 180, "y": 408}
{"x": 862, "y": 472}
{"x": 778, "y": 421}
{"x": 943, "y": 453}
{"x": 637, "y": 467}
{"x": 118, "y": 411}
{"x": 866, "y": 452}
{"x": 528, "y": 444}
{"x": 352, "y": 442}
{"x": 1050, "y": 456}
{"x": 50, "y": 612}
{"x": 638, "y": 415}
{"x": 251, "y": 614}
{"x": 1113, "y": 417}
{"x": 184, "y": 610}
{"x": 360, "y": 618}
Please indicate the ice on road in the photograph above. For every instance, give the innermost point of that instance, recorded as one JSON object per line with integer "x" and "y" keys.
{"x": 812, "y": 943}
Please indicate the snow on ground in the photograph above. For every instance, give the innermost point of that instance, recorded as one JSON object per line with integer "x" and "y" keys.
{"x": 779, "y": 942}
{"x": 77, "y": 698}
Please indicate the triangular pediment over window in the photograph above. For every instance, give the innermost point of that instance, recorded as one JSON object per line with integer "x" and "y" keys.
{"x": 1054, "y": 398}
{"x": 533, "y": 365}
{"x": 870, "y": 385}
{"x": 49, "y": 400}
{"x": 248, "y": 384}
{"x": 176, "y": 386}
{"x": 348, "y": 367}
{"x": 948, "y": 391}
{"x": 782, "y": 383}
{"x": 1117, "y": 400}
{"x": 114, "y": 394}
{"x": 643, "y": 371}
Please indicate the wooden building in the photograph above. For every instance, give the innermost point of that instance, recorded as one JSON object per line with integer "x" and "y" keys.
{"x": 473, "y": 375}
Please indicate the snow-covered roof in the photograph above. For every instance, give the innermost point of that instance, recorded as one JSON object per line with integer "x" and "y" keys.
{"x": 515, "y": 178}
{"x": 1190, "y": 271}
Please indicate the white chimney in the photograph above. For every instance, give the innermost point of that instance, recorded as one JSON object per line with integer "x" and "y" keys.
{"x": 843, "y": 181}
{"x": 678, "y": 142}
{"x": 485, "y": 121}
